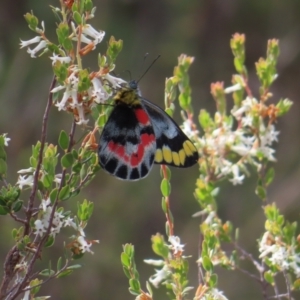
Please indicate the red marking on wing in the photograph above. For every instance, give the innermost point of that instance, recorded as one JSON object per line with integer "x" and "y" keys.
{"x": 142, "y": 116}
{"x": 137, "y": 157}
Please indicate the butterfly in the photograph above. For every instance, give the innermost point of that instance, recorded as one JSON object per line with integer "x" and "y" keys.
{"x": 138, "y": 134}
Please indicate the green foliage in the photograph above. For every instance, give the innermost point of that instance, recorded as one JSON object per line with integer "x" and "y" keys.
{"x": 233, "y": 140}
{"x": 32, "y": 21}
{"x": 85, "y": 210}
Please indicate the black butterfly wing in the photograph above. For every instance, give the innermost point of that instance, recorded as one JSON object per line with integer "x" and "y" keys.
{"x": 173, "y": 147}
{"x": 127, "y": 143}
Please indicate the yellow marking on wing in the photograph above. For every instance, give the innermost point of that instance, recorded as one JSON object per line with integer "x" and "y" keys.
{"x": 158, "y": 156}
{"x": 189, "y": 148}
{"x": 176, "y": 159}
{"x": 182, "y": 156}
{"x": 192, "y": 147}
{"x": 167, "y": 154}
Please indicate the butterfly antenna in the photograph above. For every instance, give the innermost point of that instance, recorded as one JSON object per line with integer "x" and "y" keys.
{"x": 148, "y": 67}
{"x": 129, "y": 73}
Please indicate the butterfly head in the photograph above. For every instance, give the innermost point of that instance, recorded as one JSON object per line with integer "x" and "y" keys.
{"x": 133, "y": 84}
{"x": 128, "y": 94}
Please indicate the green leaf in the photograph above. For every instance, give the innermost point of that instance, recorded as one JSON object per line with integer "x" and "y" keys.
{"x": 4, "y": 210}
{"x": 283, "y": 106}
{"x": 133, "y": 292}
{"x": 158, "y": 245}
{"x": 64, "y": 193}
{"x": 50, "y": 241}
{"x": 126, "y": 272}
{"x": 135, "y": 285}
{"x": 73, "y": 267}
{"x": 238, "y": 64}
{"x": 269, "y": 176}
{"x": 64, "y": 273}
{"x": 125, "y": 260}
{"x": 62, "y": 32}
{"x": 63, "y": 140}
{"x": 17, "y": 205}
{"x": 61, "y": 72}
{"x": 58, "y": 265}
{"x": 67, "y": 160}
{"x": 164, "y": 204}
{"x": 14, "y": 233}
{"x": 2, "y": 150}
{"x": 261, "y": 192}
{"x": 88, "y": 5}
{"x": 269, "y": 277}
{"x": 213, "y": 280}
{"x": 77, "y": 18}
{"x": 207, "y": 264}
{"x": 47, "y": 273}
{"x": 129, "y": 250}
{"x": 165, "y": 187}
{"x": 35, "y": 285}
{"x": 47, "y": 180}
{"x": 84, "y": 80}
{"x": 296, "y": 284}
{"x": 31, "y": 20}
{"x": 3, "y": 167}
{"x": 76, "y": 168}
{"x": 53, "y": 195}
{"x": 205, "y": 120}
{"x": 149, "y": 288}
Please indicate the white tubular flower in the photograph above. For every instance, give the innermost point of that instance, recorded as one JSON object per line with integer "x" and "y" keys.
{"x": 27, "y": 293}
{"x": 26, "y": 171}
{"x": 223, "y": 165}
{"x": 267, "y": 152}
{"x": 279, "y": 254}
{"x": 41, "y": 31}
{"x": 237, "y": 179}
{"x": 188, "y": 130}
{"x": 247, "y": 121}
{"x": 175, "y": 244}
{"x": 232, "y": 88}
{"x": 214, "y": 294}
{"x": 25, "y": 181}
{"x": 40, "y": 46}
{"x": 97, "y": 36}
{"x": 269, "y": 135}
{"x": 58, "y": 88}
{"x": 85, "y": 246}
{"x": 210, "y": 217}
{"x": 154, "y": 262}
{"x": 159, "y": 276}
{"x": 240, "y": 149}
{"x": 6, "y": 139}
{"x": 80, "y": 230}
{"x": 62, "y": 104}
{"x": 246, "y": 106}
{"x": 40, "y": 228}
{"x": 30, "y": 42}
{"x": 86, "y": 40}
{"x": 81, "y": 117}
{"x": 57, "y": 178}
{"x": 45, "y": 204}
{"x": 98, "y": 92}
{"x": 62, "y": 59}
{"x": 115, "y": 82}
{"x": 69, "y": 222}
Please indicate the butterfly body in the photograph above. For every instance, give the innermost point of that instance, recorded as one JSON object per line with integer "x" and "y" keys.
{"x": 137, "y": 134}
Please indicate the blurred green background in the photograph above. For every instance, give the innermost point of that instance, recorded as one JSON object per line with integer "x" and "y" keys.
{"x": 131, "y": 212}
